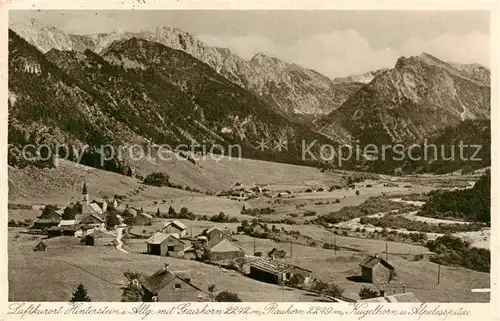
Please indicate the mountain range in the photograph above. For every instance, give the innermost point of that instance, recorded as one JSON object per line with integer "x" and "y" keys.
{"x": 165, "y": 86}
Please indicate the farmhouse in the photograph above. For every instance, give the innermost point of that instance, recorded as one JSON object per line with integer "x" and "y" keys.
{"x": 165, "y": 244}
{"x": 99, "y": 238}
{"x": 93, "y": 220}
{"x": 142, "y": 219}
{"x": 395, "y": 298}
{"x": 47, "y": 220}
{"x": 175, "y": 227}
{"x": 167, "y": 286}
{"x": 61, "y": 231}
{"x": 273, "y": 271}
{"x": 214, "y": 235}
{"x": 226, "y": 251}
{"x": 376, "y": 270}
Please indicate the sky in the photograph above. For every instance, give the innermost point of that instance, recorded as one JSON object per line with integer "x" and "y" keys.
{"x": 335, "y": 43}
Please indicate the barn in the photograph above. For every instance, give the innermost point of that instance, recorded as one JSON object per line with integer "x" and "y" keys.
{"x": 175, "y": 227}
{"x": 225, "y": 250}
{"x": 165, "y": 244}
{"x": 376, "y": 270}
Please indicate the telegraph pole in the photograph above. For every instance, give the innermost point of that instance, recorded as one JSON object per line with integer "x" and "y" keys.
{"x": 334, "y": 244}
{"x": 439, "y": 272}
{"x": 291, "y": 249}
{"x": 254, "y": 245}
{"x": 386, "y": 251}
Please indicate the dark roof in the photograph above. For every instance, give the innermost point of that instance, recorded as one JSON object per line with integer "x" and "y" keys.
{"x": 160, "y": 279}
{"x": 371, "y": 261}
{"x": 47, "y": 220}
{"x": 93, "y": 215}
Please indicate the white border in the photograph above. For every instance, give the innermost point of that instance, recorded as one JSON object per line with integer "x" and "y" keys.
{"x": 481, "y": 311}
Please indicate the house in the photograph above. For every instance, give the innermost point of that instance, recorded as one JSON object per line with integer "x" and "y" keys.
{"x": 225, "y": 251}
{"x": 276, "y": 253}
{"x": 215, "y": 235}
{"x": 168, "y": 286}
{"x": 62, "y": 231}
{"x": 142, "y": 219}
{"x": 41, "y": 246}
{"x": 273, "y": 271}
{"x": 165, "y": 245}
{"x": 376, "y": 270}
{"x": 175, "y": 227}
{"x": 99, "y": 238}
{"x": 395, "y": 298}
{"x": 99, "y": 206}
{"x": 269, "y": 270}
{"x": 48, "y": 219}
{"x": 65, "y": 223}
{"x": 93, "y": 220}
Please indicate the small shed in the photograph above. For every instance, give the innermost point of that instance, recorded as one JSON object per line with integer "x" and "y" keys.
{"x": 40, "y": 246}
{"x": 376, "y": 270}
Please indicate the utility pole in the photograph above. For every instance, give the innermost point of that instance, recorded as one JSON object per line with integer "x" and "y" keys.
{"x": 334, "y": 244}
{"x": 291, "y": 251}
{"x": 386, "y": 258}
{"x": 214, "y": 274}
{"x": 254, "y": 245}
{"x": 283, "y": 290}
{"x": 439, "y": 272}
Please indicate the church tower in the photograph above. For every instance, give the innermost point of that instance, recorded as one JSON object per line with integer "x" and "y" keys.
{"x": 85, "y": 194}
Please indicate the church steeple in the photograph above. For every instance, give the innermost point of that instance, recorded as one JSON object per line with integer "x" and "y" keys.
{"x": 85, "y": 194}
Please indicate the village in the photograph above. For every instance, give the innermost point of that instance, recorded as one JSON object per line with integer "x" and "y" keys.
{"x": 186, "y": 250}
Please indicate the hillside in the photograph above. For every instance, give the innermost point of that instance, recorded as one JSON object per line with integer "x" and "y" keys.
{"x": 468, "y": 204}
{"x": 291, "y": 89}
{"x": 131, "y": 94}
{"x": 416, "y": 98}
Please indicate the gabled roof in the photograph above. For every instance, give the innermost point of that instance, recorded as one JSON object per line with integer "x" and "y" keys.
{"x": 401, "y": 297}
{"x": 371, "y": 261}
{"x": 48, "y": 220}
{"x": 225, "y": 246}
{"x": 95, "y": 216}
{"x": 157, "y": 238}
{"x": 160, "y": 279}
{"x": 269, "y": 265}
{"x": 176, "y": 223}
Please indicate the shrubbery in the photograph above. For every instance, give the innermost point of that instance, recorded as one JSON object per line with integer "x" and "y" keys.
{"x": 468, "y": 204}
{"x": 399, "y": 222}
{"x": 371, "y": 206}
{"x": 454, "y": 251}
{"x": 157, "y": 179}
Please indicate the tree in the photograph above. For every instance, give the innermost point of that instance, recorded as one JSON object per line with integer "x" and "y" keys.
{"x": 226, "y": 296}
{"x": 80, "y": 294}
{"x": 158, "y": 214}
{"x": 357, "y": 192}
{"x": 111, "y": 221}
{"x": 132, "y": 290}
{"x": 69, "y": 213}
{"x": 211, "y": 290}
{"x": 157, "y": 179}
{"x": 320, "y": 286}
{"x": 367, "y": 293}
{"x": 334, "y": 290}
{"x": 171, "y": 211}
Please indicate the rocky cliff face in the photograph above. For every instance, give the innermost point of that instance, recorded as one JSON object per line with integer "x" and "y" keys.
{"x": 417, "y": 97}
{"x": 292, "y": 89}
{"x": 138, "y": 90}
